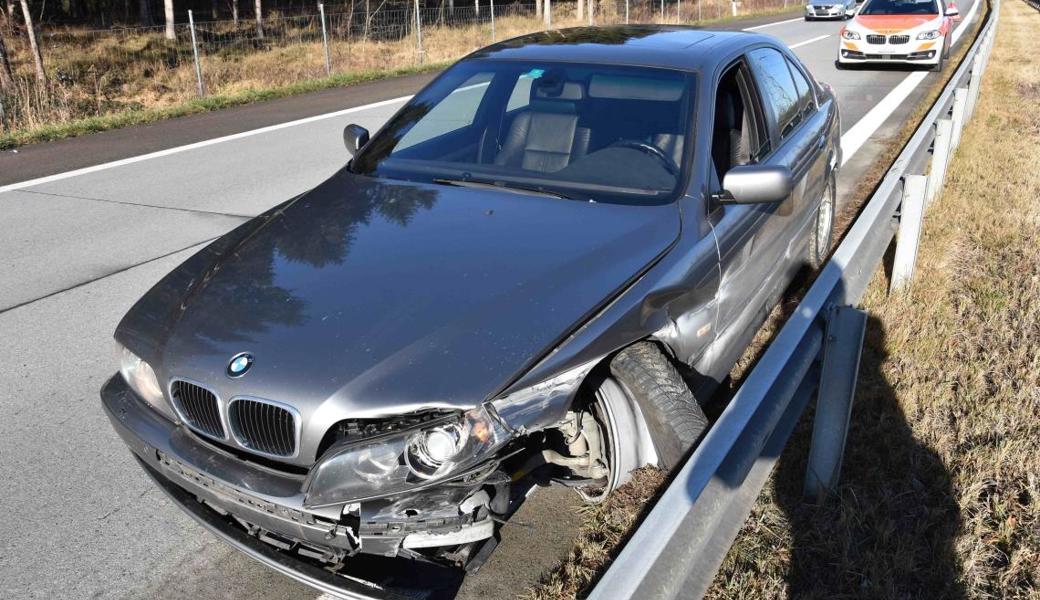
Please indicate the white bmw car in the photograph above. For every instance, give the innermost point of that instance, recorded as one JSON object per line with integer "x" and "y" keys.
{"x": 901, "y": 31}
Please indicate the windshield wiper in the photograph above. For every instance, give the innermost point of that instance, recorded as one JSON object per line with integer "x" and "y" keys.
{"x": 503, "y": 186}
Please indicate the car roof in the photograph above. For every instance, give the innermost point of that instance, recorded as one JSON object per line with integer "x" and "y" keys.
{"x": 669, "y": 46}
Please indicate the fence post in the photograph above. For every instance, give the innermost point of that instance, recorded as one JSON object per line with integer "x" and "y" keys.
{"x": 626, "y": 12}
{"x": 842, "y": 347}
{"x": 911, "y": 218}
{"x": 678, "y": 11}
{"x": 941, "y": 148}
{"x": 960, "y": 103}
{"x": 662, "y": 11}
{"x": 195, "y": 55}
{"x": 492, "y": 21}
{"x": 734, "y": 5}
{"x": 325, "y": 39}
{"x": 548, "y": 14}
{"x": 418, "y": 32}
{"x": 592, "y": 10}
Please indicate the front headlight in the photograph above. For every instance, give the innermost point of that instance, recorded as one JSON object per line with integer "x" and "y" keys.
{"x": 141, "y": 378}
{"x": 849, "y": 34}
{"x": 404, "y": 460}
{"x": 929, "y": 35}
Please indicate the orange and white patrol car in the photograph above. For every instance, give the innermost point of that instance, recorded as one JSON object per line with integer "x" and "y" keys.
{"x": 904, "y": 31}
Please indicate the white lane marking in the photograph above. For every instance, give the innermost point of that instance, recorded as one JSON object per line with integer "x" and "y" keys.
{"x": 806, "y": 42}
{"x": 858, "y": 134}
{"x": 757, "y": 27}
{"x": 196, "y": 145}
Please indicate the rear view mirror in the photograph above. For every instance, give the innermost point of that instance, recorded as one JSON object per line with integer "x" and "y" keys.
{"x": 354, "y": 136}
{"x": 756, "y": 184}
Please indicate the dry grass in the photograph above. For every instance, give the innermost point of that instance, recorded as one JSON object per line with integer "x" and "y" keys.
{"x": 942, "y": 478}
{"x": 98, "y": 79}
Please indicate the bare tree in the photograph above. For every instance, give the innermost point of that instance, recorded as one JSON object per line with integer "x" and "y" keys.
{"x": 6, "y": 76}
{"x": 537, "y": 7}
{"x": 258, "y": 10}
{"x": 171, "y": 32}
{"x": 234, "y": 11}
{"x": 476, "y": 7}
{"x": 581, "y": 10}
{"x": 41, "y": 74}
{"x": 214, "y": 9}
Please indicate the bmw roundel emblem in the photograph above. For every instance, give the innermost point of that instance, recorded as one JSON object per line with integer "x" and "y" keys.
{"x": 239, "y": 364}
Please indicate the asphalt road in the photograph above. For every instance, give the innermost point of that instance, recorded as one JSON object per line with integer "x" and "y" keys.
{"x": 79, "y": 518}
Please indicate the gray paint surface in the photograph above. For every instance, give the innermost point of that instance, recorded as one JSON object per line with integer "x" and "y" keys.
{"x": 80, "y": 519}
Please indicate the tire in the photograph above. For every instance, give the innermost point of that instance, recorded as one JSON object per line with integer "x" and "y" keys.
{"x": 673, "y": 416}
{"x": 938, "y": 67}
{"x": 822, "y": 233}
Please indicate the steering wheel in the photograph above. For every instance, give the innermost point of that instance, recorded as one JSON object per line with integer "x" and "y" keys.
{"x": 665, "y": 160}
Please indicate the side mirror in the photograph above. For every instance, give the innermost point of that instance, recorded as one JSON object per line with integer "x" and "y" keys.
{"x": 354, "y": 137}
{"x": 952, "y": 11}
{"x": 756, "y": 184}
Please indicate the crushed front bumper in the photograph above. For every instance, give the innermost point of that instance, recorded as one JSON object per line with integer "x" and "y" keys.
{"x": 259, "y": 510}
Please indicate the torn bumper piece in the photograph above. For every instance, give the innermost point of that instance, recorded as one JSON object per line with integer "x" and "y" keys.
{"x": 261, "y": 511}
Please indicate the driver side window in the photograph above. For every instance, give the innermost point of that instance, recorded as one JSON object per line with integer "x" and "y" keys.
{"x": 738, "y": 136}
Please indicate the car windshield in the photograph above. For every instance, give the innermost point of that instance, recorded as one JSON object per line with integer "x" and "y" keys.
{"x": 589, "y": 132}
{"x": 900, "y": 7}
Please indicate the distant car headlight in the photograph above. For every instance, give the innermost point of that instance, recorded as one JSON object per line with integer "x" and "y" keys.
{"x": 404, "y": 460}
{"x": 929, "y": 35}
{"x": 141, "y": 378}
{"x": 850, "y": 35}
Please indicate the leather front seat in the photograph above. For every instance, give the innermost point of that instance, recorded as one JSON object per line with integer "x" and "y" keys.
{"x": 546, "y": 136}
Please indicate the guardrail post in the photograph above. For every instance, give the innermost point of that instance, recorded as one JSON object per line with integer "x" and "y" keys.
{"x": 325, "y": 39}
{"x": 974, "y": 84}
{"x": 941, "y": 148}
{"x": 911, "y": 218}
{"x": 842, "y": 347}
{"x": 960, "y": 104}
{"x": 195, "y": 54}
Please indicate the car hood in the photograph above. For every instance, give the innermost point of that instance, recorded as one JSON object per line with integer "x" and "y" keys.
{"x": 888, "y": 24}
{"x": 366, "y": 298}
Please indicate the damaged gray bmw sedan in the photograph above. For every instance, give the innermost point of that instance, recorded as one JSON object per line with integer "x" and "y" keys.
{"x": 533, "y": 274}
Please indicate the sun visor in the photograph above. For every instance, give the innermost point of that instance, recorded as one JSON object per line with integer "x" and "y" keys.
{"x": 620, "y": 87}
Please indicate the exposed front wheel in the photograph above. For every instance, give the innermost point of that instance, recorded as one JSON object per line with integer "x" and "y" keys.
{"x": 823, "y": 227}
{"x": 669, "y": 412}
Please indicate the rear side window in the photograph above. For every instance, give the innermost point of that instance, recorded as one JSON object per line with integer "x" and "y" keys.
{"x": 806, "y": 100}
{"x": 777, "y": 87}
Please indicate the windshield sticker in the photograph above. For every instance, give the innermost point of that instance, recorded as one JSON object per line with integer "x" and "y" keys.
{"x": 534, "y": 73}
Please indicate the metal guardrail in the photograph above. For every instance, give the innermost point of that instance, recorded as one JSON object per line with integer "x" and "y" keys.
{"x": 679, "y": 546}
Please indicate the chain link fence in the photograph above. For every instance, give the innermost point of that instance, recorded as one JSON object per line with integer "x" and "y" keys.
{"x": 103, "y": 72}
